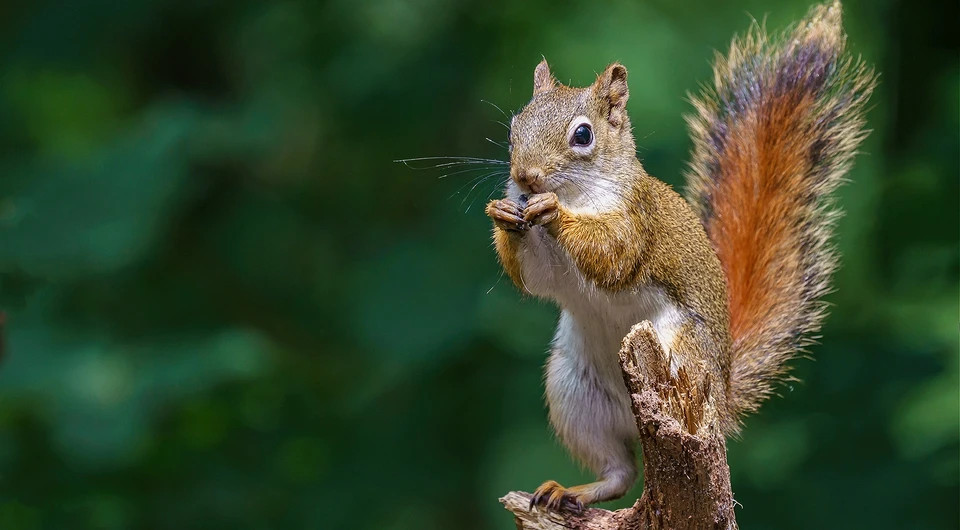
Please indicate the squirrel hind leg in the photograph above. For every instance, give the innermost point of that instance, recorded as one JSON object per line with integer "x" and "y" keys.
{"x": 590, "y": 411}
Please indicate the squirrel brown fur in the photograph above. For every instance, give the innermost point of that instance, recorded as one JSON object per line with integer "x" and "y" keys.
{"x": 730, "y": 280}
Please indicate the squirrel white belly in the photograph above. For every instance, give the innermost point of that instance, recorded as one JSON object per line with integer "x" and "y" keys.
{"x": 601, "y": 317}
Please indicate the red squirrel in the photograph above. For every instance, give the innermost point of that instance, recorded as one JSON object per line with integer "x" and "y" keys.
{"x": 730, "y": 278}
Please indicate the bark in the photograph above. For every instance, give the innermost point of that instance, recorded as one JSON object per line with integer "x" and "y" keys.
{"x": 686, "y": 480}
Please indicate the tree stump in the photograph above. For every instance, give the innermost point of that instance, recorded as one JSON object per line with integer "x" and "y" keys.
{"x": 686, "y": 480}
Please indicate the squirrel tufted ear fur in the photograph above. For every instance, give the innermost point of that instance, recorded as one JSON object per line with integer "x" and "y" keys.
{"x": 543, "y": 80}
{"x": 611, "y": 87}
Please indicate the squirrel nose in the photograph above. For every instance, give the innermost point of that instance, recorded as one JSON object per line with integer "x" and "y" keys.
{"x": 528, "y": 177}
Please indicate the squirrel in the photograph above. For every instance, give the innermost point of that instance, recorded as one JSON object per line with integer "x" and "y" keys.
{"x": 730, "y": 277}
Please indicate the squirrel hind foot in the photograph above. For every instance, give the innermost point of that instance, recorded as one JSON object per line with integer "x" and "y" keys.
{"x": 553, "y": 496}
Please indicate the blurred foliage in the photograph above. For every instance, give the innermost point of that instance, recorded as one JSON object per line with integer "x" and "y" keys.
{"x": 227, "y": 307}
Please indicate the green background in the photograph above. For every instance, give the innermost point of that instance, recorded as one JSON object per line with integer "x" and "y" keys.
{"x": 227, "y": 307}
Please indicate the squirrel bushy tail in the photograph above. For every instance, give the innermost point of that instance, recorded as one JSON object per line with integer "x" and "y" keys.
{"x": 773, "y": 137}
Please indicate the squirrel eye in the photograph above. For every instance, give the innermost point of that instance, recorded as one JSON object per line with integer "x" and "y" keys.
{"x": 582, "y": 136}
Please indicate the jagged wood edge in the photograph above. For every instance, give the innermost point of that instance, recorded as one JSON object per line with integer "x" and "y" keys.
{"x": 669, "y": 449}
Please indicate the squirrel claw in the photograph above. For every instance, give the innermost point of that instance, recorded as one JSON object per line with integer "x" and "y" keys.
{"x": 506, "y": 215}
{"x": 553, "y": 496}
{"x": 542, "y": 209}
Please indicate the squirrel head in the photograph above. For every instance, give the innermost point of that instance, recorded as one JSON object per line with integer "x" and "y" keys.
{"x": 573, "y": 141}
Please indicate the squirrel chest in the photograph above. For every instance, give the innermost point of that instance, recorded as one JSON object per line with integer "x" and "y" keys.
{"x": 594, "y": 320}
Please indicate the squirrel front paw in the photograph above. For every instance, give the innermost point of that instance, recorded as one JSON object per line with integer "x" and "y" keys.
{"x": 507, "y": 215}
{"x": 542, "y": 209}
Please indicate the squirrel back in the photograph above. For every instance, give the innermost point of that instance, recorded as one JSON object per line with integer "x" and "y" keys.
{"x": 773, "y": 138}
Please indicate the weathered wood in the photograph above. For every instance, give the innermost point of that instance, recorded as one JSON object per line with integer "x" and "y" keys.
{"x": 685, "y": 472}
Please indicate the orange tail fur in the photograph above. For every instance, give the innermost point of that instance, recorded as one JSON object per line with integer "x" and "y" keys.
{"x": 773, "y": 138}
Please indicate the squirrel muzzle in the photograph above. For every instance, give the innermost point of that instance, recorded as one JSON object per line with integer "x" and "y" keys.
{"x": 530, "y": 180}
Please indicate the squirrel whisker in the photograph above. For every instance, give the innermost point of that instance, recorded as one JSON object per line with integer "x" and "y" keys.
{"x": 482, "y": 168}
{"x": 494, "y": 105}
{"x": 454, "y": 160}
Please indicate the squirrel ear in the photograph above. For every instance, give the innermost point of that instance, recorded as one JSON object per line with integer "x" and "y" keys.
{"x": 611, "y": 88}
{"x": 542, "y": 78}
